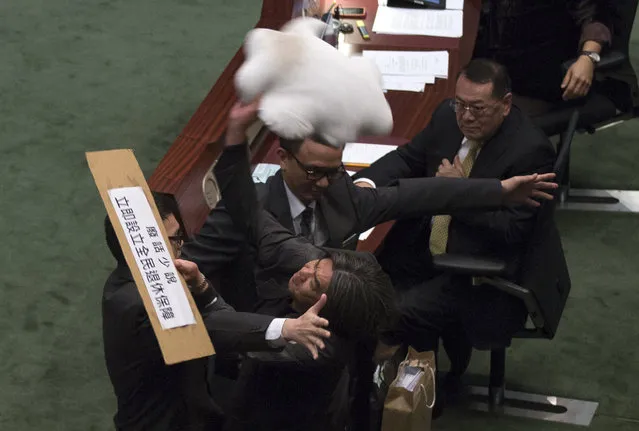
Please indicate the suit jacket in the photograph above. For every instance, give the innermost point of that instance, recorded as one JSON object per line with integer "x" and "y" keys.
{"x": 518, "y": 148}
{"x": 150, "y": 394}
{"x": 288, "y": 390}
{"x": 223, "y": 254}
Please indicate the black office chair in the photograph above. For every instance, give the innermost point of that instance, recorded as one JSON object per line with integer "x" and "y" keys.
{"x": 543, "y": 286}
{"x": 614, "y": 97}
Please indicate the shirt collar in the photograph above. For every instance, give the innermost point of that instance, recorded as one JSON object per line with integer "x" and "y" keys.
{"x": 296, "y": 206}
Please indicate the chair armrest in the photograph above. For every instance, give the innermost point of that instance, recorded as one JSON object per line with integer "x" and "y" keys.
{"x": 469, "y": 265}
{"x": 609, "y": 60}
{"x": 488, "y": 271}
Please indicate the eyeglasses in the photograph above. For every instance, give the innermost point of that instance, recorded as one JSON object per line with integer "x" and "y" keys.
{"x": 316, "y": 173}
{"x": 476, "y": 111}
{"x": 177, "y": 241}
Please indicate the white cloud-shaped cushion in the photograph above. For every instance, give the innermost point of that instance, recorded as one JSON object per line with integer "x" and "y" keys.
{"x": 308, "y": 88}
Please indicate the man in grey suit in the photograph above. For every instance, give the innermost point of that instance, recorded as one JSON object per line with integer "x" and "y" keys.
{"x": 360, "y": 296}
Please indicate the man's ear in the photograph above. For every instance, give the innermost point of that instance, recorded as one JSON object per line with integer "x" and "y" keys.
{"x": 508, "y": 103}
{"x": 282, "y": 156}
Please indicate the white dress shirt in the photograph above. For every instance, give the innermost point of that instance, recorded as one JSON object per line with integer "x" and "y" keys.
{"x": 274, "y": 332}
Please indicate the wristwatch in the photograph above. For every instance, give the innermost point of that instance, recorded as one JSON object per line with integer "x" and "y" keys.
{"x": 593, "y": 56}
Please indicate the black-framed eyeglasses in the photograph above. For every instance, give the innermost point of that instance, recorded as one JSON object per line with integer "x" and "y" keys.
{"x": 179, "y": 238}
{"x": 476, "y": 111}
{"x": 177, "y": 241}
{"x": 316, "y": 173}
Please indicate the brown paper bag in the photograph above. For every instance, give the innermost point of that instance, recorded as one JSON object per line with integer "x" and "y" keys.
{"x": 411, "y": 396}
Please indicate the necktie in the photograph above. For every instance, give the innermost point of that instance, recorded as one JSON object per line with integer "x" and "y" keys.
{"x": 306, "y": 224}
{"x": 441, "y": 223}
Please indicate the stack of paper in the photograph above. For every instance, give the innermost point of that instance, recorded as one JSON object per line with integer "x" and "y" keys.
{"x": 409, "y": 70}
{"x": 420, "y": 22}
{"x": 263, "y": 171}
{"x": 363, "y": 155}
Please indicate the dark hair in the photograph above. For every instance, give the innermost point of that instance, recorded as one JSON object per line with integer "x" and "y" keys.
{"x": 291, "y": 145}
{"x": 166, "y": 204}
{"x": 361, "y": 299}
{"x": 483, "y": 71}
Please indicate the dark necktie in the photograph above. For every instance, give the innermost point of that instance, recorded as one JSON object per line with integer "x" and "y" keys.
{"x": 306, "y": 224}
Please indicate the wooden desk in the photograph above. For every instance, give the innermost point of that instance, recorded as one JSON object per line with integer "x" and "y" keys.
{"x": 183, "y": 167}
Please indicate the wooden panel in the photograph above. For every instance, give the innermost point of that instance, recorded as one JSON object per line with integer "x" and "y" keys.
{"x": 119, "y": 168}
{"x": 180, "y": 170}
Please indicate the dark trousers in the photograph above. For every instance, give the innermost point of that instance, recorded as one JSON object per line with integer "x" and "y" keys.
{"x": 464, "y": 316}
{"x": 361, "y": 385}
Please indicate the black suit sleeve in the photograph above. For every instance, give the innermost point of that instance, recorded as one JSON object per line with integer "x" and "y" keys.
{"x": 335, "y": 351}
{"x": 231, "y": 331}
{"x": 511, "y": 225}
{"x": 228, "y": 329}
{"x": 417, "y": 197}
{"x": 217, "y": 244}
{"x": 407, "y": 161}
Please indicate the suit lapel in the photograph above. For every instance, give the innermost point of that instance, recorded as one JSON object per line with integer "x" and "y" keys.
{"x": 448, "y": 149}
{"x": 493, "y": 150}
{"x": 276, "y": 201}
{"x": 338, "y": 213}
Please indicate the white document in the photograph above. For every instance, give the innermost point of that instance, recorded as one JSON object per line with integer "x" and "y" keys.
{"x": 263, "y": 171}
{"x": 420, "y": 22}
{"x": 365, "y": 154}
{"x": 410, "y": 63}
{"x": 152, "y": 257}
{"x": 406, "y": 83}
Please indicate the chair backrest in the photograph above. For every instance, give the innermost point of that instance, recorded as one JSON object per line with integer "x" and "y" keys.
{"x": 620, "y": 15}
{"x": 620, "y": 83}
{"x": 544, "y": 270}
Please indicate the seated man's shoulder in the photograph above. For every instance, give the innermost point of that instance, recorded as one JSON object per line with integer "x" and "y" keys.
{"x": 444, "y": 112}
{"x": 528, "y": 134}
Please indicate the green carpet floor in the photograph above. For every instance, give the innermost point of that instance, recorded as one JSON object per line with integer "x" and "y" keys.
{"x": 78, "y": 75}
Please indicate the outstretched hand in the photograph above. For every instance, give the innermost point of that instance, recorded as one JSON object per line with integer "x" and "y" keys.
{"x": 308, "y": 329}
{"x": 525, "y": 189}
